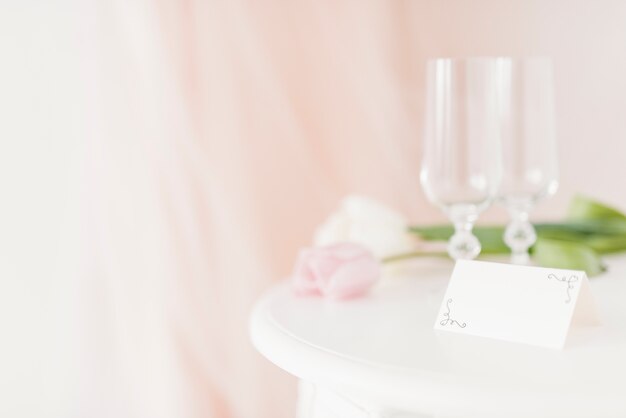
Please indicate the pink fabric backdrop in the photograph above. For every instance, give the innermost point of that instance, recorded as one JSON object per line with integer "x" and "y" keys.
{"x": 215, "y": 136}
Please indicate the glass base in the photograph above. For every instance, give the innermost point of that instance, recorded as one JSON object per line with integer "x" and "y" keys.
{"x": 522, "y": 259}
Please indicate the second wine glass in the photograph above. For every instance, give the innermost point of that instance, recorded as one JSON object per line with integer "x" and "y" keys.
{"x": 461, "y": 166}
{"x": 529, "y": 151}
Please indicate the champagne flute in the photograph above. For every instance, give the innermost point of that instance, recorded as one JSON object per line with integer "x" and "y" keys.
{"x": 461, "y": 166}
{"x": 529, "y": 151}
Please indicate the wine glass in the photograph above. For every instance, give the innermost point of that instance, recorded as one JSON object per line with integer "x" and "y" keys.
{"x": 529, "y": 151}
{"x": 461, "y": 166}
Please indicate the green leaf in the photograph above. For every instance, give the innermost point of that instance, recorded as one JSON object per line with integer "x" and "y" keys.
{"x": 567, "y": 255}
{"x": 584, "y": 227}
{"x": 582, "y": 208}
{"x": 607, "y": 244}
{"x": 603, "y": 237}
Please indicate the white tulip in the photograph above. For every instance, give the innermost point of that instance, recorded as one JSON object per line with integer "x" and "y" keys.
{"x": 370, "y": 223}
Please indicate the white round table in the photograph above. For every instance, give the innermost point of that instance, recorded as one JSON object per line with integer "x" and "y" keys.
{"x": 378, "y": 356}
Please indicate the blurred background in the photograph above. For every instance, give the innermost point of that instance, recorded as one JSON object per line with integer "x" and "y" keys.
{"x": 161, "y": 162}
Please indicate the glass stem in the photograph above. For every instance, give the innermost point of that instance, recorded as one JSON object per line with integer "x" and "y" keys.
{"x": 463, "y": 244}
{"x": 519, "y": 235}
{"x": 463, "y": 227}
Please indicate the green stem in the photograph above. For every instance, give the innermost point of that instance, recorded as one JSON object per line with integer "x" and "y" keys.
{"x": 414, "y": 254}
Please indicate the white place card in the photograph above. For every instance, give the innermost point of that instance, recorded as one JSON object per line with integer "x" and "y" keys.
{"x": 531, "y": 305}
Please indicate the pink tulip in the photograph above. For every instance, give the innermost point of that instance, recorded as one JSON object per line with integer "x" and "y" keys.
{"x": 338, "y": 271}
